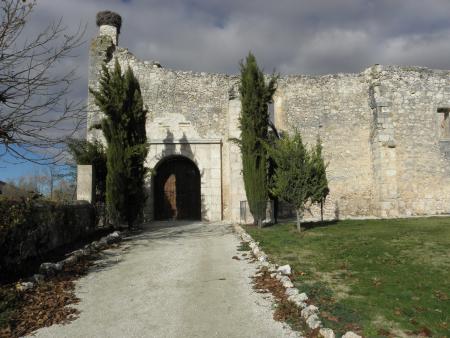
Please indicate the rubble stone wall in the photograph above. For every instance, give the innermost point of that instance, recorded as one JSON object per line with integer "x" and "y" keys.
{"x": 387, "y": 147}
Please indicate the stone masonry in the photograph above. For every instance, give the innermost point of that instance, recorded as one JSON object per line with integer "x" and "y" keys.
{"x": 385, "y": 132}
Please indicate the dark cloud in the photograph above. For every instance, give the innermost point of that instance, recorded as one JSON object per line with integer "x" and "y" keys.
{"x": 316, "y": 36}
{"x": 292, "y": 36}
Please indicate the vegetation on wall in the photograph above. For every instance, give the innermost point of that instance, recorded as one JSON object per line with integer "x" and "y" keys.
{"x": 255, "y": 94}
{"x": 299, "y": 175}
{"x": 119, "y": 98}
{"x": 30, "y": 227}
{"x": 12, "y": 213}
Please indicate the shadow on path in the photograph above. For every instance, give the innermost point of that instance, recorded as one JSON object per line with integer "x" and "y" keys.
{"x": 154, "y": 232}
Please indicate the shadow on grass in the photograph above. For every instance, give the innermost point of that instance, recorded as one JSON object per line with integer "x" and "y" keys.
{"x": 321, "y": 224}
{"x": 305, "y": 226}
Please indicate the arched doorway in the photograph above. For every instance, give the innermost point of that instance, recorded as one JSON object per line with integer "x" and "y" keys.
{"x": 177, "y": 189}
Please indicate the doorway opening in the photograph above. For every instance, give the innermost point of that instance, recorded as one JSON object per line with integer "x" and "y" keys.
{"x": 177, "y": 190}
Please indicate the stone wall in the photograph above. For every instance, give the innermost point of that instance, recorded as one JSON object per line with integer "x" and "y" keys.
{"x": 417, "y": 168}
{"x": 336, "y": 108}
{"x": 31, "y": 229}
{"x": 387, "y": 147}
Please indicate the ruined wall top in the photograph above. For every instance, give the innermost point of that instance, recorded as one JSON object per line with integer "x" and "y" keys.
{"x": 109, "y": 24}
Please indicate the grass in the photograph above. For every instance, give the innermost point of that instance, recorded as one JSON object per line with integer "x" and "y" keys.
{"x": 379, "y": 277}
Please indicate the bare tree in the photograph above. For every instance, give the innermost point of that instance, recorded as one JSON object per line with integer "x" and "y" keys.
{"x": 56, "y": 179}
{"x": 36, "y": 115}
{"x": 53, "y": 182}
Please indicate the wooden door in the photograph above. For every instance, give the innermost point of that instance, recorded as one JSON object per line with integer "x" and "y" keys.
{"x": 177, "y": 190}
{"x": 170, "y": 197}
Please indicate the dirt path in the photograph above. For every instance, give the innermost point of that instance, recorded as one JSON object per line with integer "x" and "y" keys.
{"x": 172, "y": 280}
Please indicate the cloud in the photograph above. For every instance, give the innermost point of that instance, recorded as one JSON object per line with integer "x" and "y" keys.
{"x": 291, "y": 36}
{"x": 306, "y": 36}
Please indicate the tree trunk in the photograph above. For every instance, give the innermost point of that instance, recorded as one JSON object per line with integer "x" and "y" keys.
{"x": 275, "y": 210}
{"x": 260, "y": 223}
{"x": 321, "y": 210}
{"x": 299, "y": 219}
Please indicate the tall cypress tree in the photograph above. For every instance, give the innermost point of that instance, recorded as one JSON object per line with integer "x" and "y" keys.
{"x": 254, "y": 122}
{"x": 319, "y": 181}
{"x": 119, "y": 98}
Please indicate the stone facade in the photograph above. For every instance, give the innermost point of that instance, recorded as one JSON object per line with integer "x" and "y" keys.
{"x": 385, "y": 132}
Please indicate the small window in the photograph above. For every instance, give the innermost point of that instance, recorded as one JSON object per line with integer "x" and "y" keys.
{"x": 444, "y": 123}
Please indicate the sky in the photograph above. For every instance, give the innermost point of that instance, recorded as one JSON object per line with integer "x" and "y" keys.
{"x": 289, "y": 36}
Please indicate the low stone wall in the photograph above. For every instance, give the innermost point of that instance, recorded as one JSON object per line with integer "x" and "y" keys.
{"x": 30, "y": 229}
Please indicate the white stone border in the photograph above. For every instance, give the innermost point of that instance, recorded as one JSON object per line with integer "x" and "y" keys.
{"x": 309, "y": 313}
{"x": 50, "y": 269}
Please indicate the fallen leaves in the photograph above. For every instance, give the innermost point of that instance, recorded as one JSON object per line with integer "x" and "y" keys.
{"x": 47, "y": 304}
{"x": 385, "y": 333}
{"x": 285, "y": 311}
{"x": 329, "y": 316}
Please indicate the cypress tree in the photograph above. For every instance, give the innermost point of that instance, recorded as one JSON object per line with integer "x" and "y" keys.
{"x": 254, "y": 121}
{"x": 119, "y": 98}
{"x": 319, "y": 181}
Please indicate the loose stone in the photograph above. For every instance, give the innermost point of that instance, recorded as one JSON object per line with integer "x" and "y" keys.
{"x": 291, "y": 291}
{"x": 309, "y": 310}
{"x": 25, "y": 286}
{"x": 351, "y": 334}
{"x": 49, "y": 268}
{"x": 288, "y": 284}
{"x": 326, "y": 333}
{"x": 313, "y": 321}
{"x": 297, "y": 301}
{"x": 38, "y": 278}
{"x": 285, "y": 269}
{"x": 71, "y": 260}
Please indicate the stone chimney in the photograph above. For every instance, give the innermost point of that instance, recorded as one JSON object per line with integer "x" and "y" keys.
{"x": 109, "y": 24}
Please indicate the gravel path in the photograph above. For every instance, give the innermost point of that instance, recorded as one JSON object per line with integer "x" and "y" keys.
{"x": 172, "y": 280}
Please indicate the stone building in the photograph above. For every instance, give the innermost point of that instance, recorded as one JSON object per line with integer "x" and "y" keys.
{"x": 385, "y": 133}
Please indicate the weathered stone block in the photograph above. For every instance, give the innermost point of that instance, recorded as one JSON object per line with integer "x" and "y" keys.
{"x": 85, "y": 183}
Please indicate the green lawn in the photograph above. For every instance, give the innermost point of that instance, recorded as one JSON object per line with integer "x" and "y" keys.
{"x": 387, "y": 277}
